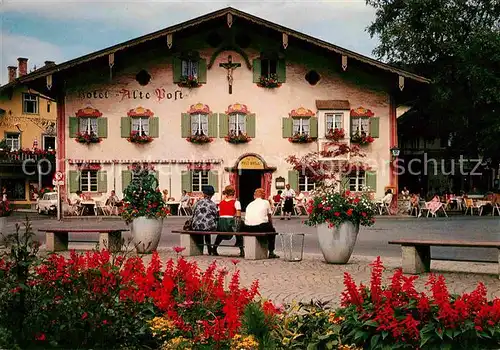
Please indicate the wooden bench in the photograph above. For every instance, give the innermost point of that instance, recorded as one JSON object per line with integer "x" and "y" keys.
{"x": 416, "y": 254}
{"x": 254, "y": 243}
{"x": 57, "y": 239}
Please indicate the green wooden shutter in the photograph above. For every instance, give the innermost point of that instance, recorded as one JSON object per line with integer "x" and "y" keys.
{"x": 186, "y": 180}
{"x": 313, "y": 127}
{"x": 73, "y": 126}
{"x": 287, "y": 127}
{"x": 212, "y": 125}
{"x": 126, "y": 126}
{"x": 102, "y": 182}
{"x": 251, "y": 125}
{"x": 74, "y": 181}
{"x": 177, "y": 69}
{"x": 223, "y": 125}
{"x": 126, "y": 179}
{"x": 213, "y": 179}
{"x": 202, "y": 71}
{"x": 257, "y": 72}
{"x": 281, "y": 71}
{"x": 371, "y": 180}
{"x": 154, "y": 126}
{"x": 185, "y": 125}
{"x": 102, "y": 127}
{"x": 374, "y": 127}
{"x": 293, "y": 179}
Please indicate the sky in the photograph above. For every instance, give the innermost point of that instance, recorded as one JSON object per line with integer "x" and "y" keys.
{"x": 60, "y": 30}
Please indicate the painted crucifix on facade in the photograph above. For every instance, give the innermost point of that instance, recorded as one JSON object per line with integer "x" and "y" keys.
{"x": 230, "y": 66}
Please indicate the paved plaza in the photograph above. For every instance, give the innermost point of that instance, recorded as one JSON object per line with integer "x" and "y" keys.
{"x": 313, "y": 279}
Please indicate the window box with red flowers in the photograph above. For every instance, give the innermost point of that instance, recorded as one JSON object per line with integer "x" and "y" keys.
{"x": 199, "y": 139}
{"x": 300, "y": 138}
{"x": 189, "y": 82}
{"x": 361, "y": 138}
{"x": 269, "y": 82}
{"x": 236, "y": 139}
{"x": 87, "y": 138}
{"x": 335, "y": 134}
{"x": 136, "y": 137}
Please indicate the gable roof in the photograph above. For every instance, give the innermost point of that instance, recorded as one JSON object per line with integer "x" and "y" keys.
{"x": 44, "y": 71}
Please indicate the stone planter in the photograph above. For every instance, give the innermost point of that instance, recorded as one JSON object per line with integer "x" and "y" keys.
{"x": 146, "y": 234}
{"x": 337, "y": 243}
{"x": 3, "y": 224}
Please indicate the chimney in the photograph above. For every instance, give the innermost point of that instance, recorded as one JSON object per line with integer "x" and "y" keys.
{"x": 12, "y": 73}
{"x": 49, "y": 63}
{"x": 23, "y": 66}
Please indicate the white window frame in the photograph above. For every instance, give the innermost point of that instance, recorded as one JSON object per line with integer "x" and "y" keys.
{"x": 86, "y": 182}
{"x": 336, "y": 121}
{"x": 301, "y": 125}
{"x": 199, "y": 123}
{"x": 143, "y": 125}
{"x": 306, "y": 185}
{"x": 88, "y": 126}
{"x": 31, "y": 98}
{"x": 357, "y": 123}
{"x": 11, "y": 138}
{"x": 359, "y": 181}
{"x": 189, "y": 68}
{"x": 236, "y": 125}
{"x": 199, "y": 179}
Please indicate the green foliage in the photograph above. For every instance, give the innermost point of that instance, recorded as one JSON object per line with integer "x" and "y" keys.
{"x": 142, "y": 197}
{"x": 4, "y": 146}
{"x": 255, "y": 322}
{"x": 457, "y": 45}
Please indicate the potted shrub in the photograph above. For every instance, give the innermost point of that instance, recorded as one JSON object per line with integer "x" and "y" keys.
{"x": 337, "y": 217}
{"x": 87, "y": 138}
{"x": 189, "y": 82}
{"x": 136, "y": 137}
{"x": 361, "y": 138}
{"x": 199, "y": 139}
{"x": 144, "y": 208}
{"x": 335, "y": 134}
{"x": 300, "y": 138}
{"x": 5, "y": 210}
{"x": 270, "y": 82}
{"x": 237, "y": 138}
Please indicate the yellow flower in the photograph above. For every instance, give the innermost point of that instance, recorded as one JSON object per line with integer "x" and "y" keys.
{"x": 348, "y": 347}
{"x": 177, "y": 343}
{"x": 332, "y": 318}
{"x": 244, "y": 343}
{"x": 161, "y": 325}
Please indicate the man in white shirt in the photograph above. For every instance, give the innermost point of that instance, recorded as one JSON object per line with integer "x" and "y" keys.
{"x": 258, "y": 218}
{"x": 288, "y": 195}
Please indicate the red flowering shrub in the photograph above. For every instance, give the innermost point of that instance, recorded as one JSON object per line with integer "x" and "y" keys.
{"x": 397, "y": 316}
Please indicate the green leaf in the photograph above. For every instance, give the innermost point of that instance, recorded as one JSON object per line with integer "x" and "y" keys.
{"x": 385, "y": 334}
{"x": 374, "y": 341}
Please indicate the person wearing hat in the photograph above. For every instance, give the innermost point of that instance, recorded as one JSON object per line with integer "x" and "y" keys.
{"x": 205, "y": 215}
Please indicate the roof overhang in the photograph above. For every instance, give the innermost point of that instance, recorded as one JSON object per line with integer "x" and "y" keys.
{"x": 200, "y": 20}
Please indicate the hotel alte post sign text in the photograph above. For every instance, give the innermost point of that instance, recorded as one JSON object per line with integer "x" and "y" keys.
{"x": 127, "y": 94}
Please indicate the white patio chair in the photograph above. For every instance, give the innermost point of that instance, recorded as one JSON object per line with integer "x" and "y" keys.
{"x": 496, "y": 207}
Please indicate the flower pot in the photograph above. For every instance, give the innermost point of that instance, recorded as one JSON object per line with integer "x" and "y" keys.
{"x": 3, "y": 224}
{"x": 337, "y": 243}
{"x": 146, "y": 233}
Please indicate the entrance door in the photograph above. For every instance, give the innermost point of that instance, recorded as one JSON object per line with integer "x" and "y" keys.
{"x": 49, "y": 143}
{"x": 249, "y": 181}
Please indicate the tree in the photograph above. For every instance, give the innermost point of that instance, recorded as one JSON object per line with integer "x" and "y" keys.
{"x": 456, "y": 43}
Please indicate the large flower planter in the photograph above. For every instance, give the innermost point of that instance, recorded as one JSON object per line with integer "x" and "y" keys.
{"x": 146, "y": 233}
{"x": 3, "y": 224}
{"x": 337, "y": 243}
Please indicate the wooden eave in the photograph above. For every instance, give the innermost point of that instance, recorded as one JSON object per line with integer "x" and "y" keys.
{"x": 40, "y": 73}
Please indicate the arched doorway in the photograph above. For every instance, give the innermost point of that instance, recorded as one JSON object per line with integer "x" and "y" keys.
{"x": 250, "y": 172}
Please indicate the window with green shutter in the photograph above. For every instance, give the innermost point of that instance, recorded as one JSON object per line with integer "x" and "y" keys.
{"x": 186, "y": 181}
{"x": 374, "y": 127}
{"x": 126, "y": 179}
{"x": 313, "y": 127}
{"x": 126, "y": 127}
{"x": 212, "y": 125}
{"x": 371, "y": 180}
{"x": 189, "y": 66}
{"x": 269, "y": 66}
{"x": 293, "y": 179}
{"x": 213, "y": 180}
{"x": 102, "y": 127}
{"x": 102, "y": 182}
{"x": 223, "y": 125}
{"x": 74, "y": 181}
{"x": 154, "y": 126}
{"x": 73, "y": 127}
{"x": 202, "y": 71}
{"x": 256, "y": 70}
{"x": 281, "y": 71}
{"x": 287, "y": 127}
{"x": 250, "y": 125}
{"x": 185, "y": 125}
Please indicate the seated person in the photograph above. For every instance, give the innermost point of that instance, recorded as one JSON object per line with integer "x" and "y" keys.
{"x": 258, "y": 219}
{"x": 229, "y": 216}
{"x": 76, "y": 198}
{"x": 112, "y": 203}
{"x": 206, "y": 215}
{"x": 301, "y": 202}
{"x": 277, "y": 198}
